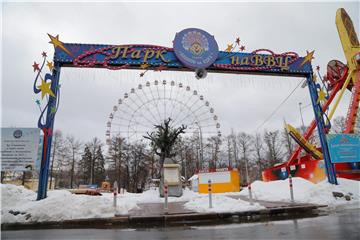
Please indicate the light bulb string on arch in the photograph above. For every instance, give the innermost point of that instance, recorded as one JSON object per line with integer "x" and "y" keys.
{"x": 187, "y": 106}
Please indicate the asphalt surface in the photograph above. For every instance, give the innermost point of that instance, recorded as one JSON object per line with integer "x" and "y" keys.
{"x": 340, "y": 225}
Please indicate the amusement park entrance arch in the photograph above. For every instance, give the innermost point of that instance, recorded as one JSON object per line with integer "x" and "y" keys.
{"x": 193, "y": 50}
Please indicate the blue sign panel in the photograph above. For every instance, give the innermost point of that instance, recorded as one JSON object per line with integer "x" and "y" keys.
{"x": 344, "y": 147}
{"x": 195, "y": 48}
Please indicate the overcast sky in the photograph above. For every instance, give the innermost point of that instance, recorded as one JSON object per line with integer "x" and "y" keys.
{"x": 242, "y": 102}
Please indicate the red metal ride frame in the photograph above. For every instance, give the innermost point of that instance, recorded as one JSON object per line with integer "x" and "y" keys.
{"x": 309, "y": 131}
{"x": 354, "y": 106}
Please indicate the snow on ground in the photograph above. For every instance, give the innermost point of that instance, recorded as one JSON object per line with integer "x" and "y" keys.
{"x": 308, "y": 192}
{"x": 152, "y": 196}
{"x": 19, "y": 204}
{"x": 220, "y": 203}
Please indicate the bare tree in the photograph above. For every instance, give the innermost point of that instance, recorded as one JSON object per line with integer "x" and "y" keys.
{"x": 57, "y": 147}
{"x": 338, "y": 125}
{"x": 93, "y": 146}
{"x": 258, "y": 154}
{"x": 273, "y": 147}
{"x": 116, "y": 156}
{"x": 288, "y": 142}
{"x": 245, "y": 147}
{"x": 74, "y": 149}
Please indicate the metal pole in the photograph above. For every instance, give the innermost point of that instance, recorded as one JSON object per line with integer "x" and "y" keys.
{"x": 330, "y": 170}
{"x": 210, "y": 194}
{"x": 302, "y": 120}
{"x": 166, "y": 197}
{"x": 201, "y": 145}
{"x": 291, "y": 188}
{"x": 250, "y": 194}
{"x": 47, "y": 128}
{"x": 115, "y": 191}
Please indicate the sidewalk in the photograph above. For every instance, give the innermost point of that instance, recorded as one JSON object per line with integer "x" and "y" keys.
{"x": 174, "y": 208}
{"x": 154, "y": 215}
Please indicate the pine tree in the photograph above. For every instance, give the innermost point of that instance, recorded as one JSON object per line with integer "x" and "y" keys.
{"x": 99, "y": 166}
{"x": 85, "y": 166}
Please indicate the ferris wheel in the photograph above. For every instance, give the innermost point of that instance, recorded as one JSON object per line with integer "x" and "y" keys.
{"x": 149, "y": 104}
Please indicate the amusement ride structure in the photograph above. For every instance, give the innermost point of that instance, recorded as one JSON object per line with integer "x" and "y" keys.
{"x": 339, "y": 78}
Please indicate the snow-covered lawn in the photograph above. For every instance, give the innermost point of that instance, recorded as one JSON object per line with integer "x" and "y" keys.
{"x": 308, "y": 192}
{"x": 19, "y": 204}
{"x": 221, "y": 203}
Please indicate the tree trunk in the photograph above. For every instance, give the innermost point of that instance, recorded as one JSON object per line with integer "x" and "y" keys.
{"x": 52, "y": 164}
{"x": 72, "y": 170}
{"x": 2, "y": 176}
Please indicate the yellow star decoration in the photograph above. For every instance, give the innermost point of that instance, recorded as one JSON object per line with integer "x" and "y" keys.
{"x": 144, "y": 66}
{"x": 321, "y": 97}
{"x": 308, "y": 57}
{"x": 45, "y": 89}
{"x": 55, "y": 41}
{"x": 229, "y": 48}
{"x": 314, "y": 77}
{"x": 50, "y": 65}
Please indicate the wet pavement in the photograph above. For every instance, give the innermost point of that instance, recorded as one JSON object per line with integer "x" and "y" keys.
{"x": 340, "y": 225}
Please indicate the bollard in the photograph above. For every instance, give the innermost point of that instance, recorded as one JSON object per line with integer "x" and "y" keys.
{"x": 291, "y": 189}
{"x": 210, "y": 194}
{"x": 115, "y": 190}
{"x": 166, "y": 197}
{"x": 250, "y": 194}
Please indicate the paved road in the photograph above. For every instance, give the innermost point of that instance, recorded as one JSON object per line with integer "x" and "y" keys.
{"x": 341, "y": 225}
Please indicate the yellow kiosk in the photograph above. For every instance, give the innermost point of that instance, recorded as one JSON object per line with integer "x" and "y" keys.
{"x": 222, "y": 180}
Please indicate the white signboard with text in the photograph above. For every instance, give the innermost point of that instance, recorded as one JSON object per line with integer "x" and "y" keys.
{"x": 19, "y": 148}
{"x": 215, "y": 177}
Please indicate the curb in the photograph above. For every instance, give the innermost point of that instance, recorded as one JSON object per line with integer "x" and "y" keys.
{"x": 164, "y": 220}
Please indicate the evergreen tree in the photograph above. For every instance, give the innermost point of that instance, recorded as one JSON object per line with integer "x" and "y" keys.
{"x": 85, "y": 166}
{"x": 164, "y": 139}
{"x": 99, "y": 166}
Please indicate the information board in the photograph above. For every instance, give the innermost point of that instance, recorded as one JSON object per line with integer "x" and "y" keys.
{"x": 19, "y": 148}
{"x": 215, "y": 177}
{"x": 344, "y": 147}
{"x": 171, "y": 175}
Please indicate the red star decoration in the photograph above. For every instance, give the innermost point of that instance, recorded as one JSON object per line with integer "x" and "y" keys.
{"x": 317, "y": 68}
{"x": 242, "y": 48}
{"x": 36, "y": 66}
{"x": 237, "y": 41}
{"x": 160, "y": 68}
{"x": 43, "y": 54}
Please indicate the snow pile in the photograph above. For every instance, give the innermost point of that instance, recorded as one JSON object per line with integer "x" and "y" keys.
{"x": 308, "y": 192}
{"x": 15, "y": 195}
{"x": 220, "y": 203}
{"x": 20, "y": 205}
{"x": 152, "y": 196}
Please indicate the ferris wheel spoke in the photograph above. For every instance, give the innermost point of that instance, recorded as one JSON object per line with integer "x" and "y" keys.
{"x": 158, "y": 94}
{"x": 151, "y": 102}
{"x": 143, "y": 104}
{"x": 157, "y": 109}
{"x": 191, "y": 112}
{"x": 135, "y": 110}
{"x": 172, "y": 109}
{"x": 141, "y": 114}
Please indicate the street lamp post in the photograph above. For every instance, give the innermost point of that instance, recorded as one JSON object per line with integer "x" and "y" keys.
{"x": 201, "y": 145}
{"x": 302, "y": 120}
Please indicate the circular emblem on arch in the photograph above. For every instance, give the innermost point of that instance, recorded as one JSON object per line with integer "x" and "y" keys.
{"x": 195, "y": 48}
{"x": 17, "y": 133}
